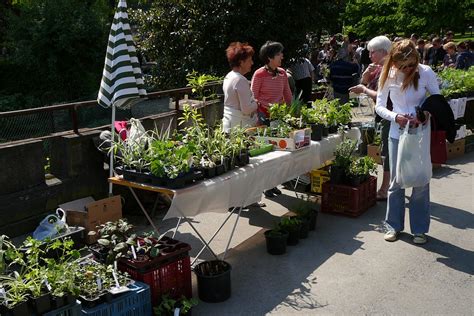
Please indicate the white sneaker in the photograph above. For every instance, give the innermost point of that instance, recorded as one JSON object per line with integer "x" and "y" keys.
{"x": 419, "y": 239}
{"x": 391, "y": 235}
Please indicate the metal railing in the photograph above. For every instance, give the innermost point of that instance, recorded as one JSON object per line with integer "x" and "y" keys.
{"x": 48, "y": 121}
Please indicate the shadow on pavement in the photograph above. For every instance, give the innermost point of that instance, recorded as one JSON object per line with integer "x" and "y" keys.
{"x": 452, "y": 216}
{"x": 264, "y": 281}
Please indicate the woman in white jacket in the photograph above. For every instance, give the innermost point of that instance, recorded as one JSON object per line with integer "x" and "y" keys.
{"x": 408, "y": 82}
{"x": 240, "y": 106}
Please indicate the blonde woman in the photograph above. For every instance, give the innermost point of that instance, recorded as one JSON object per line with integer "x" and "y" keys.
{"x": 407, "y": 81}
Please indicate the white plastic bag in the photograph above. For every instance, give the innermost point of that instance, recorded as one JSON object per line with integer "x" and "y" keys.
{"x": 414, "y": 167}
{"x": 51, "y": 225}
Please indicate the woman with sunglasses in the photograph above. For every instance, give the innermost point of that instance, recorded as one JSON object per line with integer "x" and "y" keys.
{"x": 407, "y": 81}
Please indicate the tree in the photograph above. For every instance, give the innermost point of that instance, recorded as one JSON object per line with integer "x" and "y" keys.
{"x": 185, "y": 35}
{"x": 56, "y": 48}
{"x": 375, "y": 17}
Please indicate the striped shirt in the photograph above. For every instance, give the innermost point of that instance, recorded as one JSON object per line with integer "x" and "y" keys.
{"x": 268, "y": 89}
{"x": 302, "y": 69}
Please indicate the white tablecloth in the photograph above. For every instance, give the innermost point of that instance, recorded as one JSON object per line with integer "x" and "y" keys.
{"x": 244, "y": 186}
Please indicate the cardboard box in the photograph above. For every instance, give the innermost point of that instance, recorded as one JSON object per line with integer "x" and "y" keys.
{"x": 89, "y": 213}
{"x": 455, "y": 149}
{"x": 374, "y": 152}
{"x": 297, "y": 139}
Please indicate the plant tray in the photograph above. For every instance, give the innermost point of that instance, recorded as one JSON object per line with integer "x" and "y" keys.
{"x": 261, "y": 150}
{"x": 348, "y": 200}
{"x": 136, "y": 302}
{"x": 297, "y": 140}
{"x": 73, "y": 309}
{"x": 148, "y": 178}
{"x": 170, "y": 275}
{"x": 172, "y": 247}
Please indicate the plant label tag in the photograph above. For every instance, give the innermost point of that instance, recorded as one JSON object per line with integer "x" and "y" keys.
{"x": 115, "y": 265}
{"x": 176, "y": 311}
{"x": 133, "y": 252}
{"x": 2, "y": 293}
{"x": 117, "y": 284}
{"x": 48, "y": 286}
{"x": 138, "y": 246}
{"x": 99, "y": 284}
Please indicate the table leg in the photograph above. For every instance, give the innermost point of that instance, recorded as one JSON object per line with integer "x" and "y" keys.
{"x": 176, "y": 228}
{"x": 232, "y": 234}
{"x": 296, "y": 184}
{"x": 144, "y": 211}
{"x": 200, "y": 237}
{"x": 213, "y": 236}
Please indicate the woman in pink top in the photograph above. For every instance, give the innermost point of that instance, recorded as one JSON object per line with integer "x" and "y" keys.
{"x": 270, "y": 82}
{"x": 270, "y": 85}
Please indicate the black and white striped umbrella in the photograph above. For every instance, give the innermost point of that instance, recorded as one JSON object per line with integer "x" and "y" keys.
{"x": 122, "y": 81}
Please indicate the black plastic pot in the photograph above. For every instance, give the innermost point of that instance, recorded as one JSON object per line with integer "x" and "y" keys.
{"x": 313, "y": 220}
{"x": 276, "y": 242}
{"x": 325, "y": 131}
{"x": 20, "y": 309}
{"x": 332, "y": 129}
{"x": 355, "y": 181}
{"x": 337, "y": 175}
{"x": 213, "y": 279}
{"x": 317, "y": 132}
{"x": 100, "y": 253}
{"x": 208, "y": 172}
{"x": 220, "y": 169}
{"x": 41, "y": 304}
{"x": 227, "y": 161}
{"x": 293, "y": 235}
{"x": 304, "y": 227}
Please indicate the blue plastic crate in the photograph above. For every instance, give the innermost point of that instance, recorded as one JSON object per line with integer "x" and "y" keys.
{"x": 136, "y": 302}
{"x": 68, "y": 310}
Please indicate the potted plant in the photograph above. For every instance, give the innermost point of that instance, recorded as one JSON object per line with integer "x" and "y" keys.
{"x": 314, "y": 118}
{"x": 114, "y": 242}
{"x": 293, "y": 227}
{"x": 360, "y": 170}
{"x": 16, "y": 296}
{"x": 276, "y": 240}
{"x": 213, "y": 279}
{"x": 342, "y": 160}
{"x": 198, "y": 83}
{"x": 171, "y": 307}
{"x": 304, "y": 209}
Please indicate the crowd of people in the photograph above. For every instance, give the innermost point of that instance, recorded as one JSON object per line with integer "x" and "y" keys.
{"x": 397, "y": 74}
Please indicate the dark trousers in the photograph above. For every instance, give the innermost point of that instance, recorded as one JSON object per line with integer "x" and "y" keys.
{"x": 305, "y": 85}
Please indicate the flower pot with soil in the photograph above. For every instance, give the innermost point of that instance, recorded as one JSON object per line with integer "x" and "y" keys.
{"x": 276, "y": 240}
{"x": 214, "y": 282}
{"x": 293, "y": 227}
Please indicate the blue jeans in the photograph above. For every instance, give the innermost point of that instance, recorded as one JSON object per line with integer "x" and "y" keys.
{"x": 419, "y": 204}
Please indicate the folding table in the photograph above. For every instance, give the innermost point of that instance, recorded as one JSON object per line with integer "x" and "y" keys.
{"x": 241, "y": 186}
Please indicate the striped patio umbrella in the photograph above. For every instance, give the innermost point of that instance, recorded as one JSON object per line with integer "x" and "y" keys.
{"x": 122, "y": 82}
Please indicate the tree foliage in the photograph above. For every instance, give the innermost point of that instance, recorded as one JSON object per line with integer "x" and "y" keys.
{"x": 375, "y": 17}
{"x": 55, "y": 49}
{"x": 182, "y": 36}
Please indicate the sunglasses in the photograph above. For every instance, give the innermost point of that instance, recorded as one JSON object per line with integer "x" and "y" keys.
{"x": 407, "y": 66}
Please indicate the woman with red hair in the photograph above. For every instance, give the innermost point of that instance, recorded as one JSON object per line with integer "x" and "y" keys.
{"x": 240, "y": 106}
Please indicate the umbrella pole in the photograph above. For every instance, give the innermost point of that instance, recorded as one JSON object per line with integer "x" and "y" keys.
{"x": 111, "y": 162}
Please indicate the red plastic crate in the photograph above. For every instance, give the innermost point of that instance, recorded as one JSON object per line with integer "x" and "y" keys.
{"x": 347, "y": 200}
{"x": 169, "y": 276}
